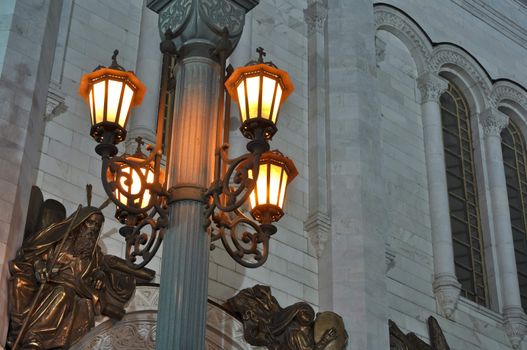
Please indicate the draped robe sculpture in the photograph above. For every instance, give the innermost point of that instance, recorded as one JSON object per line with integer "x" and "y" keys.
{"x": 295, "y": 327}
{"x": 82, "y": 284}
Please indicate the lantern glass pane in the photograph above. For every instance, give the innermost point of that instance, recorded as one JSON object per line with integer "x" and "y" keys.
{"x": 253, "y": 93}
{"x": 99, "y": 92}
{"x": 267, "y": 96}
{"x": 252, "y": 196}
{"x": 283, "y": 187}
{"x": 241, "y": 101}
{"x": 136, "y": 187}
{"x": 91, "y": 108}
{"x": 261, "y": 185}
{"x": 125, "y": 107}
{"x": 274, "y": 184}
{"x": 114, "y": 97}
{"x": 277, "y": 102}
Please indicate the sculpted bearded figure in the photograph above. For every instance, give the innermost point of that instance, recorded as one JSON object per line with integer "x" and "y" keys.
{"x": 82, "y": 284}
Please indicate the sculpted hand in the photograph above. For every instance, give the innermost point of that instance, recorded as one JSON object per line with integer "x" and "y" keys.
{"x": 41, "y": 272}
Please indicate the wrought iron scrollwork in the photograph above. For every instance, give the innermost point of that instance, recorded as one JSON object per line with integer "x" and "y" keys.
{"x": 133, "y": 183}
{"x": 246, "y": 241}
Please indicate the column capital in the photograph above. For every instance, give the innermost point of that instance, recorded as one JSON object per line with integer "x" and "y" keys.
{"x": 199, "y": 25}
{"x": 515, "y": 323}
{"x": 493, "y": 121}
{"x": 431, "y": 87}
{"x": 447, "y": 290}
{"x": 315, "y": 16}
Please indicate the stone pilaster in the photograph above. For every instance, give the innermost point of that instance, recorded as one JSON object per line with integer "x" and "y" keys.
{"x": 446, "y": 285}
{"x": 25, "y": 71}
{"x": 352, "y": 267}
{"x": 318, "y": 223}
{"x": 493, "y": 122}
{"x": 205, "y": 31}
{"x": 143, "y": 123}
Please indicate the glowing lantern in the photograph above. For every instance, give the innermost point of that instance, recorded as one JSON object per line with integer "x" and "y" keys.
{"x": 260, "y": 89}
{"x": 133, "y": 178}
{"x": 267, "y": 199}
{"x": 111, "y": 93}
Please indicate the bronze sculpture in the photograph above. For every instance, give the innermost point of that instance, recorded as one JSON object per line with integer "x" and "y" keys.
{"x": 295, "y": 327}
{"x": 60, "y": 280}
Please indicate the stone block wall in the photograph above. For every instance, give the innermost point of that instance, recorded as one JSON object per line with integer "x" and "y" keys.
{"x": 68, "y": 160}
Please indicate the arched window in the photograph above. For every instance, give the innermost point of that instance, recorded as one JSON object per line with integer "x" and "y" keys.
{"x": 463, "y": 196}
{"x": 514, "y": 161}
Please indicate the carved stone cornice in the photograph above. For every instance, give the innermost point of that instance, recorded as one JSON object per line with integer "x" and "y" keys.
{"x": 431, "y": 87}
{"x": 493, "y": 121}
{"x": 318, "y": 228}
{"x": 315, "y": 16}
{"x": 198, "y": 23}
{"x": 447, "y": 290}
{"x": 515, "y": 323}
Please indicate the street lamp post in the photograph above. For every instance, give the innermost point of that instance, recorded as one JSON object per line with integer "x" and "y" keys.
{"x": 204, "y": 192}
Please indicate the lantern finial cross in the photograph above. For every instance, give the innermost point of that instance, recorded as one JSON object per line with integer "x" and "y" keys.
{"x": 261, "y": 53}
{"x": 114, "y": 64}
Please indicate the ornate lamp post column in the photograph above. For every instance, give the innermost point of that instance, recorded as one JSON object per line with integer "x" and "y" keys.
{"x": 205, "y": 32}
{"x": 493, "y": 122}
{"x": 446, "y": 285}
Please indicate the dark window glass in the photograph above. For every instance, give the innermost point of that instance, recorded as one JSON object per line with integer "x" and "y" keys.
{"x": 514, "y": 158}
{"x": 463, "y": 196}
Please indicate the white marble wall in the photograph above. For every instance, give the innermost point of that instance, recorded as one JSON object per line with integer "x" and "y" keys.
{"x": 68, "y": 160}
{"x": 409, "y": 280}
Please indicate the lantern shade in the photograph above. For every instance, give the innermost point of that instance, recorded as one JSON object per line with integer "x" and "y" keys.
{"x": 274, "y": 175}
{"x": 260, "y": 89}
{"x": 110, "y": 94}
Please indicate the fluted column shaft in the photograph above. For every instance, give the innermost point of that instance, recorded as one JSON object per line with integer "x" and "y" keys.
{"x": 493, "y": 122}
{"x": 184, "y": 269}
{"x": 148, "y": 69}
{"x": 205, "y": 33}
{"x": 446, "y": 286}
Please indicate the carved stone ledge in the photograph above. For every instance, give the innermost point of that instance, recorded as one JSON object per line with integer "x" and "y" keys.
{"x": 493, "y": 121}
{"x": 515, "y": 323}
{"x": 318, "y": 228}
{"x": 447, "y": 290}
{"x": 431, "y": 87}
{"x": 55, "y": 103}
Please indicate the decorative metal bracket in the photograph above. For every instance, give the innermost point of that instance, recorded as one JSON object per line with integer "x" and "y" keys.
{"x": 246, "y": 241}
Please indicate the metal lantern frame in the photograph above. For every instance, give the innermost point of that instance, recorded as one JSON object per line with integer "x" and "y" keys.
{"x": 99, "y": 110}
{"x": 246, "y": 240}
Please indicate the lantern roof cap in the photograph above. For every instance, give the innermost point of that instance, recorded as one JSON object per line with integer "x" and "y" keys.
{"x": 278, "y": 157}
{"x": 258, "y": 66}
{"x": 115, "y": 70}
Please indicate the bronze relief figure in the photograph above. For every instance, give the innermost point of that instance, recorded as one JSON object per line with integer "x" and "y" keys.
{"x": 295, "y": 327}
{"x": 60, "y": 281}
